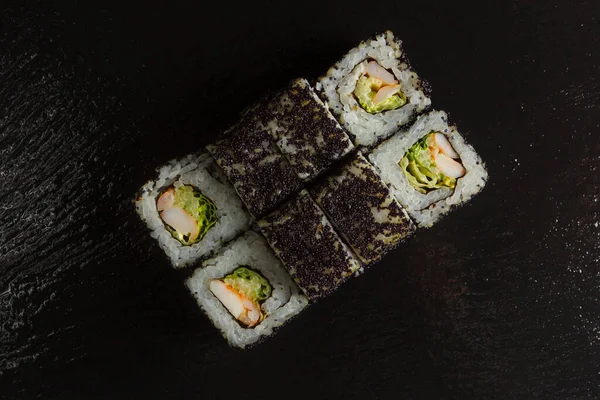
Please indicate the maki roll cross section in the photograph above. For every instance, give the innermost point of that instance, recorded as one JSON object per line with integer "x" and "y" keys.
{"x": 191, "y": 209}
{"x": 360, "y": 206}
{"x": 430, "y": 168}
{"x": 245, "y": 291}
{"x": 308, "y": 246}
{"x": 373, "y": 91}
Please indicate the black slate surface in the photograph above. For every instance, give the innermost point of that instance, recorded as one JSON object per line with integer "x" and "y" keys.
{"x": 499, "y": 300}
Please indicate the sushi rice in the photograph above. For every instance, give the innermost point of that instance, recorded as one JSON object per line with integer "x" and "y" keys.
{"x": 338, "y": 85}
{"x": 426, "y": 209}
{"x": 250, "y": 250}
{"x": 201, "y": 172}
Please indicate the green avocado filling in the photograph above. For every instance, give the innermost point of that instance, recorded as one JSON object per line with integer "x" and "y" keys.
{"x": 251, "y": 284}
{"x": 366, "y": 89}
{"x": 200, "y": 207}
{"x": 419, "y": 167}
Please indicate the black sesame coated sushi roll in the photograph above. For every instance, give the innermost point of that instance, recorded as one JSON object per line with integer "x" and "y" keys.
{"x": 260, "y": 174}
{"x": 305, "y": 131}
{"x": 308, "y": 246}
{"x": 359, "y": 204}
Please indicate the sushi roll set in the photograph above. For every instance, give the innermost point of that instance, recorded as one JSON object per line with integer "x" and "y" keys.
{"x": 313, "y": 184}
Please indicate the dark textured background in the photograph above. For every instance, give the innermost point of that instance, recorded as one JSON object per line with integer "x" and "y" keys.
{"x": 499, "y": 300}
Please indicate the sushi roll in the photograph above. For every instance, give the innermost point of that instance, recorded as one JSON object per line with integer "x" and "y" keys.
{"x": 304, "y": 130}
{"x": 373, "y": 91}
{"x": 310, "y": 249}
{"x": 191, "y": 209}
{"x": 245, "y": 291}
{"x": 260, "y": 174}
{"x": 362, "y": 209}
{"x": 430, "y": 168}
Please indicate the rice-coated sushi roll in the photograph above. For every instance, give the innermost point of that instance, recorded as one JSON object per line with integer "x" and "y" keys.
{"x": 191, "y": 209}
{"x": 260, "y": 174}
{"x": 305, "y": 131}
{"x": 430, "y": 168}
{"x": 373, "y": 91}
{"x": 308, "y": 246}
{"x": 362, "y": 209}
{"x": 245, "y": 291}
